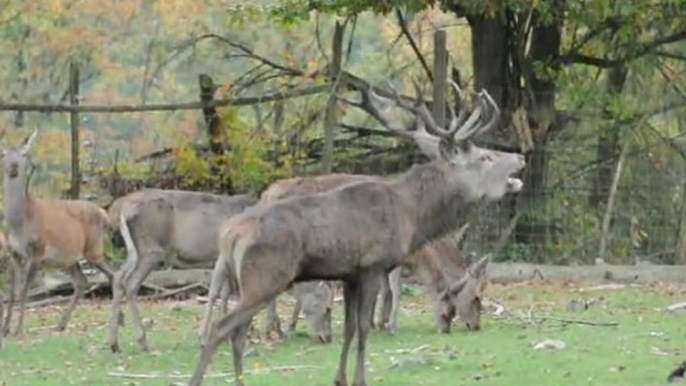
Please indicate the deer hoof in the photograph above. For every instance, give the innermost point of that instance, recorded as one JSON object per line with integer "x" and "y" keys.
{"x": 115, "y": 347}
{"x": 340, "y": 382}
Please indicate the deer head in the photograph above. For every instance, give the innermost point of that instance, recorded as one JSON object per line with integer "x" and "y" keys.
{"x": 317, "y": 304}
{"x": 16, "y": 160}
{"x": 483, "y": 173}
{"x": 464, "y": 297}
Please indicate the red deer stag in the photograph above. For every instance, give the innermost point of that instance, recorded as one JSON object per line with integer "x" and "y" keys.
{"x": 48, "y": 232}
{"x": 361, "y": 231}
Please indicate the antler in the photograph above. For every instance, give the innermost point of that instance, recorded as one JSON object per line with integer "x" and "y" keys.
{"x": 424, "y": 130}
{"x": 416, "y": 130}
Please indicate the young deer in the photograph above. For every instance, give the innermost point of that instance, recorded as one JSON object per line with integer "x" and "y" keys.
{"x": 437, "y": 265}
{"x": 359, "y": 232}
{"x": 48, "y": 232}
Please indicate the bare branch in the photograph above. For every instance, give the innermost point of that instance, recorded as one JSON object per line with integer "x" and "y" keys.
{"x": 405, "y": 31}
{"x": 252, "y": 54}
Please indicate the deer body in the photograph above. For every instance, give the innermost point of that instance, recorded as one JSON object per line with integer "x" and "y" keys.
{"x": 179, "y": 227}
{"x": 358, "y": 232}
{"x": 437, "y": 265}
{"x": 49, "y": 232}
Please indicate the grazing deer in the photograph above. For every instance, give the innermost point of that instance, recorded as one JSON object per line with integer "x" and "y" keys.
{"x": 359, "y": 232}
{"x": 175, "y": 226}
{"x": 438, "y": 265}
{"x": 49, "y": 232}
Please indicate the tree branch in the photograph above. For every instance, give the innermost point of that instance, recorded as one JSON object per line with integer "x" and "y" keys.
{"x": 252, "y": 54}
{"x": 643, "y": 49}
{"x": 405, "y": 31}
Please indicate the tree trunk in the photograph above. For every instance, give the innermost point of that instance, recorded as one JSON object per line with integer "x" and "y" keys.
{"x": 607, "y": 148}
{"x": 500, "y": 63}
{"x": 545, "y": 48}
{"x": 330, "y": 115}
{"x": 490, "y": 56}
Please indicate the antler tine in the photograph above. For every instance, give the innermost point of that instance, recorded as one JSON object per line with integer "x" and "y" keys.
{"x": 423, "y": 112}
{"x": 457, "y": 120}
{"x": 495, "y": 113}
{"x": 471, "y": 126}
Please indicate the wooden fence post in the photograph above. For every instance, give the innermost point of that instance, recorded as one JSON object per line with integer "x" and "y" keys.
{"x": 74, "y": 119}
{"x": 215, "y": 131}
{"x": 440, "y": 75}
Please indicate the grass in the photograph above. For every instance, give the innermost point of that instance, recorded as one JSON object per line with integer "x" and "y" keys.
{"x": 642, "y": 350}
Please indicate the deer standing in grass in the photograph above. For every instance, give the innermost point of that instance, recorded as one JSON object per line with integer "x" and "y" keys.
{"x": 433, "y": 260}
{"x": 438, "y": 265}
{"x": 361, "y": 231}
{"x": 178, "y": 227}
{"x": 48, "y": 232}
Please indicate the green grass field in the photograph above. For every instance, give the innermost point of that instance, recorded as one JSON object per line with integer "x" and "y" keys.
{"x": 642, "y": 350}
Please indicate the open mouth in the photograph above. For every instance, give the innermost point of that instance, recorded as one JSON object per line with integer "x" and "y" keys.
{"x": 514, "y": 183}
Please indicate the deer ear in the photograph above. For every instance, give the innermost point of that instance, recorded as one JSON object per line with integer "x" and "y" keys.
{"x": 479, "y": 268}
{"x": 454, "y": 289}
{"x": 28, "y": 142}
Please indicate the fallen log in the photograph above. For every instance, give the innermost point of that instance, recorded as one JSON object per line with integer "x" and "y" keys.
{"x": 164, "y": 281}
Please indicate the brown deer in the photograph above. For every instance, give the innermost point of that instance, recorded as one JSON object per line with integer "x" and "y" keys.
{"x": 320, "y": 325}
{"x": 435, "y": 258}
{"x": 48, "y": 232}
{"x": 361, "y": 231}
{"x": 437, "y": 265}
{"x": 175, "y": 226}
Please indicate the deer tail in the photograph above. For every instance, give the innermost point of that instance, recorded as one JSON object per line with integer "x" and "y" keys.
{"x": 131, "y": 249}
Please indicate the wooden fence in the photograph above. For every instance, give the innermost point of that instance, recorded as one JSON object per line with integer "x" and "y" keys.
{"x": 74, "y": 108}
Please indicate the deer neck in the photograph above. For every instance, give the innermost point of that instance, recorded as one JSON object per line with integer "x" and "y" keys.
{"x": 434, "y": 208}
{"x": 16, "y": 202}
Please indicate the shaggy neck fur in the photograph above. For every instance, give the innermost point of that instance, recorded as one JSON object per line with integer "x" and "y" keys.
{"x": 16, "y": 201}
{"x": 435, "y": 208}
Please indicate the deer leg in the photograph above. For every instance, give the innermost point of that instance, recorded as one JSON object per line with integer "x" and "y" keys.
{"x": 218, "y": 286}
{"x": 80, "y": 283}
{"x": 273, "y": 322}
{"x": 117, "y": 314}
{"x": 294, "y": 316}
{"x": 350, "y": 298}
{"x": 395, "y": 287}
{"x": 101, "y": 264}
{"x": 384, "y": 308}
{"x": 29, "y": 272}
{"x": 131, "y": 287}
{"x": 369, "y": 286}
{"x": 15, "y": 285}
{"x": 240, "y": 336}
{"x": 237, "y": 318}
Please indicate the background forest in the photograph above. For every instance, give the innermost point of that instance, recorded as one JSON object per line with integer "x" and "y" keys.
{"x": 591, "y": 90}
